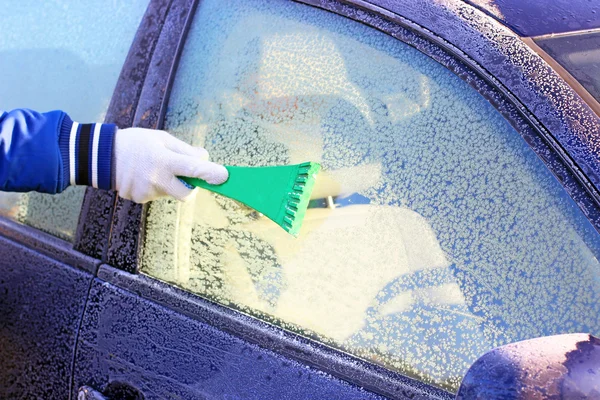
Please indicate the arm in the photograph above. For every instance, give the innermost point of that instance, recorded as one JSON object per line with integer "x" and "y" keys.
{"x": 47, "y": 152}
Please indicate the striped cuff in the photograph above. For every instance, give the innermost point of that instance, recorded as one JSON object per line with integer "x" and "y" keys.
{"x": 86, "y": 152}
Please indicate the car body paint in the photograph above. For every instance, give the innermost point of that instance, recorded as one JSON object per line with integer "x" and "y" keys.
{"x": 166, "y": 354}
{"x": 42, "y": 299}
{"x": 557, "y": 367}
{"x": 271, "y": 338}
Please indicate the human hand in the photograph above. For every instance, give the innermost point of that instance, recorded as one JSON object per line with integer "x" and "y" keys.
{"x": 147, "y": 163}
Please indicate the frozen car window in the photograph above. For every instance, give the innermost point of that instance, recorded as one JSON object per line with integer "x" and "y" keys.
{"x": 66, "y": 55}
{"x": 434, "y": 234}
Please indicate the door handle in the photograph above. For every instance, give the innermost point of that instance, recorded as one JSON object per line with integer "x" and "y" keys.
{"x": 113, "y": 391}
{"x": 87, "y": 393}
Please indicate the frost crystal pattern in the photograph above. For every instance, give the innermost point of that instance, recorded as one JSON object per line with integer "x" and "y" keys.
{"x": 434, "y": 233}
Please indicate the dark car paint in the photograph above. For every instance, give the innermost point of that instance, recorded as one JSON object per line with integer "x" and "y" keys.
{"x": 41, "y": 305}
{"x": 497, "y": 51}
{"x": 269, "y": 337}
{"x": 164, "y": 341}
{"x": 542, "y": 17}
{"x": 554, "y": 367}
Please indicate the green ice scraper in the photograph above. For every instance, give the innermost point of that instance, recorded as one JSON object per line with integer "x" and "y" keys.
{"x": 280, "y": 193}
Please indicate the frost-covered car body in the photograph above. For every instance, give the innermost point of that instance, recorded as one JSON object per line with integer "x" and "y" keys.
{"x": 81, "y": 315}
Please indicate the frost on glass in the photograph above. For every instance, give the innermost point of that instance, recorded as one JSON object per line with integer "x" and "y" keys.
{"x": 434, "y": 233}
{"x": 61, "y": 55}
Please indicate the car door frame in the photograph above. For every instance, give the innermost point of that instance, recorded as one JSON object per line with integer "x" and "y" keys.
{"x": 97, "y": 211}
{"x": 111, "y": 229}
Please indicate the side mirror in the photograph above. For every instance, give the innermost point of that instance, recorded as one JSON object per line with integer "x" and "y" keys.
{"x": 551, "y": 367}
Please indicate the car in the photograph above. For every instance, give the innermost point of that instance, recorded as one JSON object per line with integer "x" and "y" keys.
{"x": 455, "y": 221}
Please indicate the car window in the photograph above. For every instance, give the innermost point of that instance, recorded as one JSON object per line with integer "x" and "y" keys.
{"x": 435, "y": 233}
{"x": 578, "y": 54}
{"x": 65, "y": 55}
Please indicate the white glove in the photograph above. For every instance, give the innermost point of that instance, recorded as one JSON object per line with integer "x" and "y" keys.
{"x": 147, "y": 162}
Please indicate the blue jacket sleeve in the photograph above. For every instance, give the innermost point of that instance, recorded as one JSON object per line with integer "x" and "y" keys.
{"x": 47, "y": 152}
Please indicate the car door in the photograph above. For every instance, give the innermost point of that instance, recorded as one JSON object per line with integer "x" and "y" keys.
{"x": 67, "y": 56}
{"x": 443, "y": 224}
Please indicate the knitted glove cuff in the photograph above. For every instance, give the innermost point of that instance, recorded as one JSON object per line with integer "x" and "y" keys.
{"x": 86, "y": 152}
